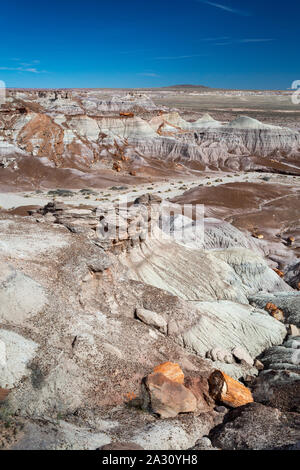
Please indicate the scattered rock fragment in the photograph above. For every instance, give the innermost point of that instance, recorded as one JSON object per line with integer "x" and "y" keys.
{"x": 147, "y": 199}
{"x": 243, "y": 356}
{"x": 258, "y": 365}
{"x": 219, "y": 354}
{"x": 293, "y": 330}
{"x": 152, "y": 319}
{"x": 61, "y": 193}
{"x": 166, "y": 397}
{"x": 221, "y": 409}
{"x": 52, "y": 207}
{"x": 203, "y": 444}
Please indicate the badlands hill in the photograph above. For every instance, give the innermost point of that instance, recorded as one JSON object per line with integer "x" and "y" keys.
{"x": 128, "y": 319}
{"x": 82, "y": 133}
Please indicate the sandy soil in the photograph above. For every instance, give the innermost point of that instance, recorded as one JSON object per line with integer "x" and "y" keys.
{"x": 166, "y": 189}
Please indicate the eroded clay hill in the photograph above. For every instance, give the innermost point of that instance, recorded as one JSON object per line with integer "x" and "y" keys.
{"x": 162, "y": 333}
{"x": 87, "y": 134}
{"x": 145, "y": 338}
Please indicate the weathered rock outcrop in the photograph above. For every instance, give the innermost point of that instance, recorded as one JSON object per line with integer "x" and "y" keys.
{"x": 282, "y": 357}
{"x": 149, "y": 302}
{"x": 209, "y": 323}
{"x": 256, "y": 427}
{"x": 278, "y": 389}
{"x": 288, "y": 302}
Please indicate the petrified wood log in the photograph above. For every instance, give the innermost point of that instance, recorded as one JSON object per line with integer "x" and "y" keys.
{"x": 277, "y": 271}
{"x": 275, "y": 311}
{"x": 124, "y": 114}
{"x": 228, "y": 391}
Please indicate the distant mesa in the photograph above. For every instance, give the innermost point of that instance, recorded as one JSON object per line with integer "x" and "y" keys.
{"x": 188, "y": 86}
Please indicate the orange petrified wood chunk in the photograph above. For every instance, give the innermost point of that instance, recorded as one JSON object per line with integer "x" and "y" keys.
{"x": 129, "y": 396}
{"x": 258, "y": 235}
{"x": 116, "y": 166}
{"x": 171, "y": 370}
{"x": 225, "y": 389}
{"x": 124, "y": 114}
{"x": 290, "y": 241}
{"x": 277, "y": 271}
{"x": 275, "y": 312}
{"x": 271, "y": 307}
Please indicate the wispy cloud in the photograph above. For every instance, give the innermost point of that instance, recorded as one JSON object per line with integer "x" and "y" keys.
{"x": 244, "y": 41}
{"x": 136, "y": 51}
{"x": 33, "y": 70}
{"x": 179, "y": 57}
{"x": 227, "y": 43}
{"x": 257, "y": 40}
{"x": 226, "y": 8}
{"x": 222, "y": 38}
{"x": 22, "y": 69}
{"x": 148, "y": 74}
{"x": 29, "y": 67}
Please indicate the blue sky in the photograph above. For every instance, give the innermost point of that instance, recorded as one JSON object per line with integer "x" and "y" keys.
{"x": 95, "y": 43}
